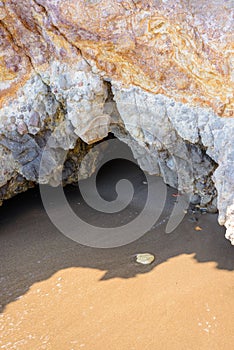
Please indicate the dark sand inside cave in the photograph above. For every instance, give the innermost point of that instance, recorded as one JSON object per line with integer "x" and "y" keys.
{"x": 58, "y": 294}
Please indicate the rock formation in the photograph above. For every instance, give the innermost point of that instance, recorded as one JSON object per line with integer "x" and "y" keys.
{"x": 157, "y": 73}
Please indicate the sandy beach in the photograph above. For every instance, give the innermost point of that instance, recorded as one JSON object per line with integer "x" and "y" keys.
{"x": 58, "y": 294}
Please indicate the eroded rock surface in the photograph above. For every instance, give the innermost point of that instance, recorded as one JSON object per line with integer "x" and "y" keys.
{"x": 157, "y": 74}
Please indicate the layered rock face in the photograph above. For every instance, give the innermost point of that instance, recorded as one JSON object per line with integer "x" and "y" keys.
{"x": 158, "y": 74}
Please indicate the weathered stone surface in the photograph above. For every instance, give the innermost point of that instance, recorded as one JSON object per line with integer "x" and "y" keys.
{"x": 158, "y": 74}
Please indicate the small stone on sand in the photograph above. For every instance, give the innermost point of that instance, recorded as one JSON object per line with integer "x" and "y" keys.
{"x": 145, "y": 258}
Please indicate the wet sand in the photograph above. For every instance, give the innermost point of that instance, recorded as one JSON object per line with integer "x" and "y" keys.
{"x": 58, "y": 294}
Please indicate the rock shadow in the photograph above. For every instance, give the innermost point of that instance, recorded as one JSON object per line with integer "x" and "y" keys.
{"x": 32, "y": 249}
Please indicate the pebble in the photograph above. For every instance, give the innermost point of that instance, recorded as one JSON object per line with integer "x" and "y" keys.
{"x": 145, "y": 258}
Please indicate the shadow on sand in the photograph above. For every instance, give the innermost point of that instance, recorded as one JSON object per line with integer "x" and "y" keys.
{"x": 32, "y": 249}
